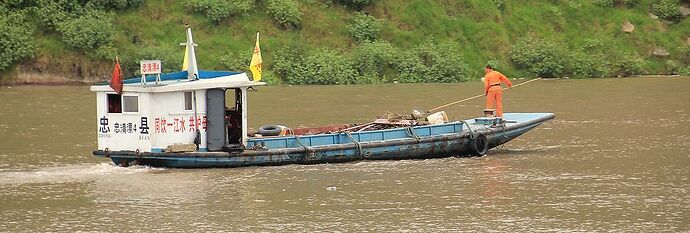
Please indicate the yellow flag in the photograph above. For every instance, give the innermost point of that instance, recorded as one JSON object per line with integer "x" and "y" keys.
{"x": 186, "y": 58}
{"x": 255, "y": 65}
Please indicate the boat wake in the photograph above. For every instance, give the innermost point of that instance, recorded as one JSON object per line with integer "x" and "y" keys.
{"x": 69, "y": 173}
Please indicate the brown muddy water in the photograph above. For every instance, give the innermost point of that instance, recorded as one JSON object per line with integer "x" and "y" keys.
{"x": 616, "y": 158}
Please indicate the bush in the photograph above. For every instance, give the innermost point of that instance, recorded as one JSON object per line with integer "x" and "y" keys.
{"x": 667, "y": 9}
{"x": 323, "y": 67}
{"x": 584, "y": 65}
{"x": 372, "y": 59}
{"x": 106, "y": 52}
{"x": 365, "y": 27}
{"x": 539, "y": 56}
{"x": 684, "y": 71}
{"x": 591, "y": 60}
{"x": 285, "y": 12}
{"x": 627, "y": 64}
{"x": 50, "y": 14}
{"x": 90, "y": 30}
{"x": 357, "y": 4}
{"x": 16, "y": 42}
{"x": 432, "y": 62}
{"x": 15, "y": 3}
{"x": 630, "y": 3}
{"x": 238, "y": 61}
{"x": 604, "y": 3}
{"x": 288, "y": 64}
{"x": 219, "y": 10}
{"x": 328, "y": 67}
{"x": 411, "y": 68}
{"x": 116, "y": 4}
{"x": 673, "y": 67}
{"x": 499, "y": 4}
{"x": 268, "y": 77}
{"x": 555, "y": 11}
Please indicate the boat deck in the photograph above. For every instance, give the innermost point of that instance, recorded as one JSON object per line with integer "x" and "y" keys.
{"x": 298, "y": 141}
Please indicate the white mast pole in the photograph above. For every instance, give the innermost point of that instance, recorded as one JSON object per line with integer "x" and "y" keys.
{"x": 193, "y": 70}
{"x": 193, "y": 74}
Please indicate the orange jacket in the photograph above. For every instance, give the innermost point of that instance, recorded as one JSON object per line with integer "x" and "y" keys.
{"x": 494, "y": 78}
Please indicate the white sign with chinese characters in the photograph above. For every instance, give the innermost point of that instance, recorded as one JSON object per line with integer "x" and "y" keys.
{"x": 150, "y": 66}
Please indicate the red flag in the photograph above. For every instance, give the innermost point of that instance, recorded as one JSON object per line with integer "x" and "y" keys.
{"x": 116, "y": 82}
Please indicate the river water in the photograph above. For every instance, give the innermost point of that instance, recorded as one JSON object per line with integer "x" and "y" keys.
{"x": 616, "y": 158}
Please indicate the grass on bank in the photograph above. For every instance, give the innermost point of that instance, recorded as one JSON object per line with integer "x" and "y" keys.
{"x": 485, "y": 30}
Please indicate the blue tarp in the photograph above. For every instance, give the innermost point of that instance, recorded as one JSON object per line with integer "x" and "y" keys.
{"x": 180, "y": 75}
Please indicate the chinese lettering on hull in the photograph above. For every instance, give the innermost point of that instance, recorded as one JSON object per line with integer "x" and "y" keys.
{"x": 179, "y": 124}
{"x": 162, "y": 125}
{"x": 123, "y": 127}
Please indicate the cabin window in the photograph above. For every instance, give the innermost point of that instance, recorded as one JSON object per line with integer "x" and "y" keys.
{"x": 188, "y": 100}
{"x": 114, "y": 103}
{"x": 131, "y": 103}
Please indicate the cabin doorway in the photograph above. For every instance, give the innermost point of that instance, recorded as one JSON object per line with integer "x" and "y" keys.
{"x": 233, "y": 118}
{"x": 224, "y": 119}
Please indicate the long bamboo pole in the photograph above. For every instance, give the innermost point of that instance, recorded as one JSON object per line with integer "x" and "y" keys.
{"x": 477, "y": 96}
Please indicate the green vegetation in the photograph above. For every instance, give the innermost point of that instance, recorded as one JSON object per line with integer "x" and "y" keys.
{"x": 375, "y": 61}
{"x": 88, "y": 31}
{"x": 357, "y": 4}
{"x": 219, "y": 10}
{"x": 604, "y": 3}
{"x": 365, "y": 27}
{"x": 542, "y": 57}
{"x": 349, "y": 41}
{"x": 15, "y": 40}
{"x": 667, "y": 9}
{"x": 285, "y": 12}
{"x": 591, "y": 58}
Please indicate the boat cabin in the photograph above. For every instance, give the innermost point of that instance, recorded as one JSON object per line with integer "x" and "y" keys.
{"x": 189, "y": 110}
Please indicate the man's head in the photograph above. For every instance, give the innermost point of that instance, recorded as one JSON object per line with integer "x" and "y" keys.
{"x": 488, "y": 68}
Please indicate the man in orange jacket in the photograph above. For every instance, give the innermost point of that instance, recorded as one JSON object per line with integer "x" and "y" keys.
{"x": 493, "y": 90}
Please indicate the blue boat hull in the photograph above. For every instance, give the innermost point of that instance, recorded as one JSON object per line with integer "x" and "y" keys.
{"x": 421, "y": 142}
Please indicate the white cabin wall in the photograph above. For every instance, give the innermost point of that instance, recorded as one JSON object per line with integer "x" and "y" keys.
{"x": 145, "y": 138}
{"x": 101, "y": 109}
{"x": 170, "y": 123}
{"x": 118, "y": 131}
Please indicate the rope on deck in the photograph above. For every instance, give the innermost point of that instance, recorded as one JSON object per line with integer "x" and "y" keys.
{"x": 359, "y": 146}
{"x": 469, "y": 128}
{"x": 503, "y": 136}
{"x": 306, "y": 149}
{"x": 411, "y": 134}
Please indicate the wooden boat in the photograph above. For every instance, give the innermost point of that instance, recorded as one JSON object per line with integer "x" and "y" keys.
{"x": 180, "y": 120}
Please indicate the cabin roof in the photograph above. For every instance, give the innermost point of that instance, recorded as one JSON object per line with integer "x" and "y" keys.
{"x": 177, "y": 81}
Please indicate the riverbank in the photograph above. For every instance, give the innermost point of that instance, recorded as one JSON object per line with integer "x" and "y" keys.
{"x": 377, "y": 42}
{"x": 37, "y": 79}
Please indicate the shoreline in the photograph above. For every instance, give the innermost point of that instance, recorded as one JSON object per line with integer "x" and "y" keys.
{"x": 44, "y": 79}
{"x": 65, "y": 82}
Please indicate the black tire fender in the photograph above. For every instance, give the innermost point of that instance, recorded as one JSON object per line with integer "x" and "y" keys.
{"x": 480, "y": 145}
{"x": 270, "y": 130}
